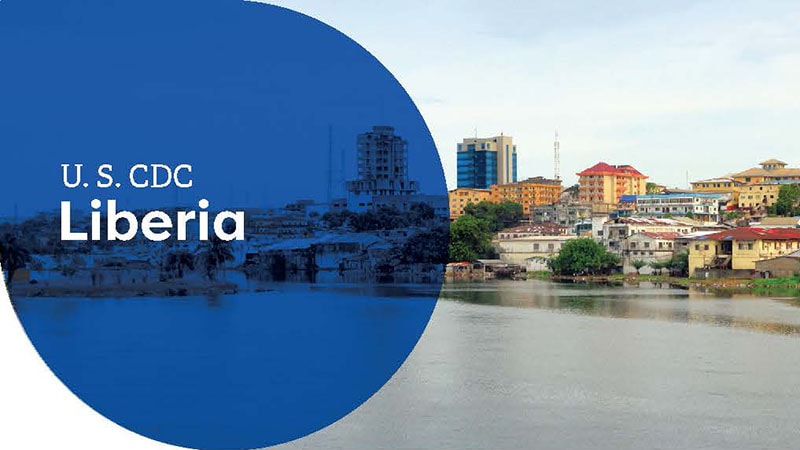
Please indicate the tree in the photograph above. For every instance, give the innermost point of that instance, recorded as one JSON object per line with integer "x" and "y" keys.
{"x": 178, "y": 260}
{"x": 12, "y": 256}
{"x": 658, "y": 266}
{"x": 583, "y": 256}
{"x": 498, "y": 216}
{"x": 426, "y": 247}
{"x": 652, "y": 188}
{"x": 470, "y": 239}
{"x": 638, "y": 264}
{"x": 215, "y": 255}
{"x": 788, "y": 202}
{"x": 679, "y": 264}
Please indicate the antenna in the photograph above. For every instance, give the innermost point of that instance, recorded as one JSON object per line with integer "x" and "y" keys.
{"x": 557, "y": 158}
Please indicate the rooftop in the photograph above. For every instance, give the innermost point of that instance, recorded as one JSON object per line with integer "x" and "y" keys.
{"x": 752, "y": 234}
{"x": 602, "y": 168}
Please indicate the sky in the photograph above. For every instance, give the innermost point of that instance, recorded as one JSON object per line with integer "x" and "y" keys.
{"x": 680, "y": 90}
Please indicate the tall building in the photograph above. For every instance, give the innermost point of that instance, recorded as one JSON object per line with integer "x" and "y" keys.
{"x": 604, "y": 184}
{"x": 483, "y": 162}
{"x": 528, "y": 193}
{"x": 382, "y": 169}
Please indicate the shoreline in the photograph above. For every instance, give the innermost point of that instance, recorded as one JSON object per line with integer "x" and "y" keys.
{"x": 754, "y": 286}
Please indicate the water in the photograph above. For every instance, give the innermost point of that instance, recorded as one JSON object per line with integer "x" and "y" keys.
{"x": 232, "y": 371}
{"x": 540, "y": 365}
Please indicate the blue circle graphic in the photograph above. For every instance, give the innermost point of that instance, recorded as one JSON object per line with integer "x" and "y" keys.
{"x": 223, "y": 223}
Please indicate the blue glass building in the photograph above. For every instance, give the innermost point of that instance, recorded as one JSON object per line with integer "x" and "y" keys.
{"x": 483, "y": 162}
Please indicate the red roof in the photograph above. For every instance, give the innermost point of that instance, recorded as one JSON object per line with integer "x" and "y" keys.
{"x": 602, "y": 168}
{"x": 752, "y": 234}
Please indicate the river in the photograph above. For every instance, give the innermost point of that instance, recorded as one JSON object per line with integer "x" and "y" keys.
{"x": 540, "y": 365}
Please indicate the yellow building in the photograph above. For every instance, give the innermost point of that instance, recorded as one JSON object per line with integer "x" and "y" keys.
{"x": 532, "y": 192}
{"x": 722, "y": 185}
{"x": 771, "y": 170}
{"x": 759, "y": 196}
{"x": 739, "y": 249}
{"x": 604, "y": 184}
{"x": 461, "y": 197}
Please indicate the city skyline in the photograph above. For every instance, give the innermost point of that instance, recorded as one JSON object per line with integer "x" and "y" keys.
{"x": 698, "y": 81}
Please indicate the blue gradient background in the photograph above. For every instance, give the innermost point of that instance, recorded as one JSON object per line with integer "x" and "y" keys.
{"x": 246, "y": 93}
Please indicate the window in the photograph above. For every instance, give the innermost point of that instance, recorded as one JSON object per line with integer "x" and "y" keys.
{"x": 697, "y": 246}
{"x": 705, "y": 247}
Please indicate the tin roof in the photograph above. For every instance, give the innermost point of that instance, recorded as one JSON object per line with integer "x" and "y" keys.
{"x": 752, "y": 234}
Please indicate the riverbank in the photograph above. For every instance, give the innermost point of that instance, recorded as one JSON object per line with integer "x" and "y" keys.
{"x": 775, "y": 286}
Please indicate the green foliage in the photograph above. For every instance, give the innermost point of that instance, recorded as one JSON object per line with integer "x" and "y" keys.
{"x": 733, "y": 215}
{"x": 176, "y": 262}
{"x": 470, "y": 239}
{"x": 583, "y": 256}
{"x": 498, "y": 216}
{"x": 788, "y": 202}
{"x": 679, "y": 264}
{"x": 652, "y": 188}
{"x": 638, "y": 264}
{"x": 658, "y": 266}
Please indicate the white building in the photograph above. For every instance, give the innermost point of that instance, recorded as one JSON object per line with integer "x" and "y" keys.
{"x": 531, "y": 251}
{"x": 703, "y": 207}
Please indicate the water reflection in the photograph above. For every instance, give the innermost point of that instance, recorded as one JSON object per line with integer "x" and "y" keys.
{"x": 653, "y": 301}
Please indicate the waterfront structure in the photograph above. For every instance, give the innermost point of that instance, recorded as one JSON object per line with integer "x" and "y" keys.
{"x": 760, "y": 196}
{"x": 382, "y": 169}
{"x": 531, "y": 251}
{"x": 738, "y": 250}
{"x": 483, "y": 162}
{"x": 615, "y": 232}
{"x": 604, "y": 184}
{"x": 528, "y": 193}
{"x": 702, "y": 207}
{"x": 564, "y": 214}
{"x": 460, "y": 197}
{"x": 771, "y": 170}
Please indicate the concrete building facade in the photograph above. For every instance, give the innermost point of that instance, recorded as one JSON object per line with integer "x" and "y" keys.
{"x": 604, "y": 184}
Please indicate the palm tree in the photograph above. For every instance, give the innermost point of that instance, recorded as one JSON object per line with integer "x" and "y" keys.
{"x": 177, "y": 260}
{"x": 216, "y": 254}
{"x": 12, "y": 256}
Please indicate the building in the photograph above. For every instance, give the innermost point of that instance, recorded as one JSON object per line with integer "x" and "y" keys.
{"x": 532, "y": 252}
{"x": 483, "y": 162}
{"x": 722, "y": 185}
{"x": 647, "y": 247}
{"x": 738, "y": 250}
{"x": 382, "y": 169}
{"x": 460, "y": 197}
{"x": 702, "y": 207}
{"x": 542, "y": 229}
{"x": 604, "y": 184}
{"x": 771, "y": 170}
{"x": 778, "y": 222}
{"x": 760, "y": 196}
{"x": 615, "y": 232}
{"x": 564, "y": 214}
{"x": 528, "y": 193}
{"x": 779, "y": 267}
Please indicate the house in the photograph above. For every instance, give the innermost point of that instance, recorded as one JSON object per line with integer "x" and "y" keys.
{"x": 737, "y": 250}
{"x": 779, "y": 267}
{"x": 648, "y": 247}
{"x": 531, "y": 251}
{"x": 616, "y": 231}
